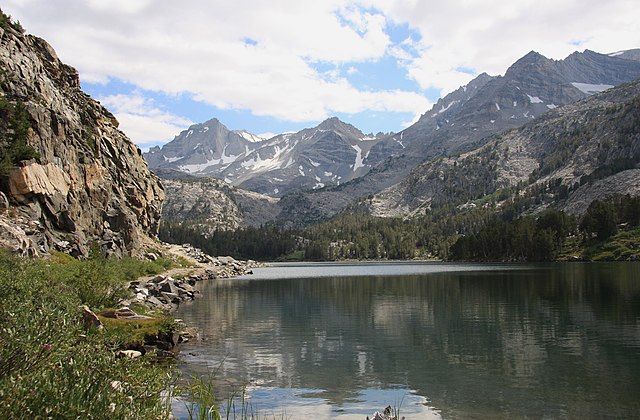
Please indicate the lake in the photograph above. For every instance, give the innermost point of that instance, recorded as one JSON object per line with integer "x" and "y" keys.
{"x": 437, "y": 340}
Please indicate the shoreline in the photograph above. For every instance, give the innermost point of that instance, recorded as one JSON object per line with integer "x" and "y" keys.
{"x": 164, "y": 292}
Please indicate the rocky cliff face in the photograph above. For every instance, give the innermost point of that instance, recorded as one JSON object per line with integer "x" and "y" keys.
{"x": 207, "y": 205}
{"x": 89, "y": 183}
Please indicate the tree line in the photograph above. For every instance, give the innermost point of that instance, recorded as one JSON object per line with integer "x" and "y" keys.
{"x": 448, "y": 232}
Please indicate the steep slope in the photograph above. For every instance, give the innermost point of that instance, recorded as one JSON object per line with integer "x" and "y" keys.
{"x": 463, "y": 120}
{"x": 567, "y": 158}
{"x": 207, "y": 204}
{"x": 87, "y": 182}
{"x": 330, "y": 154}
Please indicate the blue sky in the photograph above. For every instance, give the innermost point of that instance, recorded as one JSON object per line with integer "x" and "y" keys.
{"x": 284, "y": 65}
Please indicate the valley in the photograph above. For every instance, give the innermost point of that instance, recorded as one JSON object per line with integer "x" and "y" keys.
{"x": 507, "y": 146}
{"x": 522, "y": 190}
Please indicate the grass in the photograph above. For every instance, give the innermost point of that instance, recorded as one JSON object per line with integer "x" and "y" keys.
{"x": 134, "y": 332}
{"x": 202, "y": 402}
{"x": 52, "y": 367}
{"x": 623, "y": 246}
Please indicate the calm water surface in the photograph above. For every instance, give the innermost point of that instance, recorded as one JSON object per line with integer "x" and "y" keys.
{"x": 439, "y": 340}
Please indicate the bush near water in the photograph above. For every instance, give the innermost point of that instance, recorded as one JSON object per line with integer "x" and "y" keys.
{"x": 50, "y": 365}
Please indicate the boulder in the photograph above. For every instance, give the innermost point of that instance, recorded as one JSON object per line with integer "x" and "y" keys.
{"x": 169, "y": 286}
{"x": 129, "y": 354}
{"x": 90, "y": 319}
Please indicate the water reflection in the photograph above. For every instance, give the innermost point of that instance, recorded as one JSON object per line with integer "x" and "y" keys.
{"x": 550, "y": 340}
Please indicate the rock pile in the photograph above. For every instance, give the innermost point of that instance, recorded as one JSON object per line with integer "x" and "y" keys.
{"x": 163, "y": 293}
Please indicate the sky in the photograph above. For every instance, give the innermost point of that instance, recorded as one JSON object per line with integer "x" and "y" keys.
{"x": 278, "y": 66}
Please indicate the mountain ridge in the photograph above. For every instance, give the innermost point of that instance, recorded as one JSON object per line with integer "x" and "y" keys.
{"x": 312, "y": 190}
{"x": 575, "y": 148}
{"x": 330, "y": 153}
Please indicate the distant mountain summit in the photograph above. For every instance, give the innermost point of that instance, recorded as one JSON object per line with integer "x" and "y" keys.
{"x": 203, "y": 149}
{"x": 329, "y": 154}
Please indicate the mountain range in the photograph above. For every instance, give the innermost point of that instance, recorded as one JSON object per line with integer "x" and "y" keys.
{"x": 332, "y": 153}
{"x": 321, "y": 171}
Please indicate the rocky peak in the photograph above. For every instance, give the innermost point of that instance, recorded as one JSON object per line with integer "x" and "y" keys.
{"x": 594, "y": 68}
{"x": 200, "y": 148}
{"x": 633, "y": 54}
{"x": 339, "y": 126}
{"x": 86, "y": 182}
{"x": 532, "y": 62}
{"x": 329, "y": 123}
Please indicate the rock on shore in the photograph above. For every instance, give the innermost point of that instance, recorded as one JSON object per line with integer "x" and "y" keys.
{"x": 165, "y": 292}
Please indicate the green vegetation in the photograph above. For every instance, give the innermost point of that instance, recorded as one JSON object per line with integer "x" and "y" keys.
{"x": 477, "y": 232}
{"x": 50, "y": 365}
{"x": 14, "y": 128}
{"x": 347, "y": 236}
{"x": 553, "y": 234}
{"x": 202, "y": 402}
{"x": 6, "y": 22}
{"x": 525, "y": 239}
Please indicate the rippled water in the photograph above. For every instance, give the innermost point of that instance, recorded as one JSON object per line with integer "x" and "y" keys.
{"x": 437, "y": 340}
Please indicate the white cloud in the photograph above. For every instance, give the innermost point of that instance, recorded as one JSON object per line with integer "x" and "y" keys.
{"x": 490, "y": 35}
{"x": 144, "y": 123}
{"x": 201, "y": 47}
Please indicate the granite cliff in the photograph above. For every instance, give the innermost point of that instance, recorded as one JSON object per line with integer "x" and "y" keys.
{"x": 75, "y": 180}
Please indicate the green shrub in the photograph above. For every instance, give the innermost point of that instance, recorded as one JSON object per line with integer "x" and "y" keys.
{"x": 50, "y": 366}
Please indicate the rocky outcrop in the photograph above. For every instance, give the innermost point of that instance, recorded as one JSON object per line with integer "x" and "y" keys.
{"x": 89, "y": 183}
{"x": 164, "y": 293}
{"x": 208, "y": 205}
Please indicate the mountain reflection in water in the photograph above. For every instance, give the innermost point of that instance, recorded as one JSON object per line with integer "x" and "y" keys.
{"x": 555, "y": 340}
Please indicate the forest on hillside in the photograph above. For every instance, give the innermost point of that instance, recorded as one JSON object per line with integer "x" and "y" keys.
{"x": 475, "y": 234}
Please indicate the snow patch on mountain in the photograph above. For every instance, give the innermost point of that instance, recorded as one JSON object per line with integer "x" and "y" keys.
{"x": 197, "y": 167}
{"x": 249, "y": 136}
{"x": 359, "y": 163}
{"x": 590, "y": 89}
{"x": 172, "y": 159}
{"x": 535, "y": 100}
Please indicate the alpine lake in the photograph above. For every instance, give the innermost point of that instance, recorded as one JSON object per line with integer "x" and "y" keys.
{"x": 434, "y": 340}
